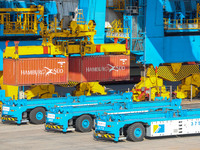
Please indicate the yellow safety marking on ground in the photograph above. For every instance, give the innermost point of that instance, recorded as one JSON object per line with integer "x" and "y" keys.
{"x": 166, "y": 72}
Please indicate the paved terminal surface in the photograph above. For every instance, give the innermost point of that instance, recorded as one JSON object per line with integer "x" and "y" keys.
{"x": 33, "y": 137}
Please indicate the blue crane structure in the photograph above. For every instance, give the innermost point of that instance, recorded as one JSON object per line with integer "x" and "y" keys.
{"x": 170, "y": 31}
{"x": 162, "y": 31}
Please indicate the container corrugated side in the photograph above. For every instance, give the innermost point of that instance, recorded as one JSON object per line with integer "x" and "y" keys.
{"x": 99, "y": 68}
{"x": 28, "y": 71}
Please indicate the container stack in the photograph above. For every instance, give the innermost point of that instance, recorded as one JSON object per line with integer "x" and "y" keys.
{"x": 58, "y": 70}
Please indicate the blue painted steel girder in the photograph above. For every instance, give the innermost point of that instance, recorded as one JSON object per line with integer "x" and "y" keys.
{"x": 95, "y": 10}
{"x": 166, "y": 49}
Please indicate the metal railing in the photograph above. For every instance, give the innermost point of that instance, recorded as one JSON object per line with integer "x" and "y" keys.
{"x": 123, "y": 34}
{"x": 4, "y": 17}
{"x": 19, "y": 27}
{"x": 181, "y": 24}
{"x": 116, "y": 4}
{"x": 1, "y": 18}
{"x": 119, "y": 4}
{"x": 27, "y": 25}
{"x": 80, "y": 17}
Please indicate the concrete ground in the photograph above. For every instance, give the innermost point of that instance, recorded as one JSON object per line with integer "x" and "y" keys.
{"x": 28, "y": 137}
{"x": 32, "y": 137}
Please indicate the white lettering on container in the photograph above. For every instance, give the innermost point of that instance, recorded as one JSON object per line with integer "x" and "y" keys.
{"x": 108, "y": 68}
{"x": 46, "y": 71}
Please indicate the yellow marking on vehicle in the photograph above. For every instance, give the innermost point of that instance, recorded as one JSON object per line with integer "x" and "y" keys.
{"x": 104, "y": 135}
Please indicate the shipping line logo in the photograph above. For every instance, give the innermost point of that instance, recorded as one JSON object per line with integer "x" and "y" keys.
{"x": 45, "y": 71}
{"x": 159, "y": 128}
{"x": 108, "y": 68}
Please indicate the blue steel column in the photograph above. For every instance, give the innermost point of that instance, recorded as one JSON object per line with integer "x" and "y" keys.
{"x": 154, "y": 44}
{"x": 160, "y": 48}
{"x": 140, "y": 37}
{"x": 95, "y": 10}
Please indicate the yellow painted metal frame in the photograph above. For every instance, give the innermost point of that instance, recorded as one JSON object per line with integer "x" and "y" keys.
{"x": 184, "y": 24}
{"x": 64, "y": 48}
{"x": 29, "y": 24}
{"x": 42, "y": 91}
{"x": 80, "y": 17}
{"x": 119, "y": 5}
{"x": 184, "y": 89}
{"x": 10, "y": 91}
{"x": 88, "y": 88}
{"x": 153, "y": 82}
{"x": 114, "y": 48}
{"x": 117, "y": 30}
{"x": 55, "y": 47}
{"x": 22, "y": 50}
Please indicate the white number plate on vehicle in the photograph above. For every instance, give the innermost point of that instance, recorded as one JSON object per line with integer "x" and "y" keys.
{"x": 6, "y": 108}
{"x": 51, "y": 116}
{"x": 101, "y": 123}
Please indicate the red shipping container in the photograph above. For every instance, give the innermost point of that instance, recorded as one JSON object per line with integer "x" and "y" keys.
{"x": 28, "y": 71}
{"x": 99, "y": 68}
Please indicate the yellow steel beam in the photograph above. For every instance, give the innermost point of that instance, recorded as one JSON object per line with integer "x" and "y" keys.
{"x": 113, "y": 48}
{"x": 31, "y": 9}
{"x": 63, "y": 49}
{"x": 18, "y": 9}
{"x": 14, "y": 51}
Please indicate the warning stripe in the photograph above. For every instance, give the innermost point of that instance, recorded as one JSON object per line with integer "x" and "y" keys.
{"x": 104, "y": 135}
{"x": 8, "y": 119}
{"x": 53, "y": 126}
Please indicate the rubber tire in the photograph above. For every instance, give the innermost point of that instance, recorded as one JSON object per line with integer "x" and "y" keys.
{"x": 130, "y": 132}
{"x": 33, "y": 118}
{"x": 79, "y": 121}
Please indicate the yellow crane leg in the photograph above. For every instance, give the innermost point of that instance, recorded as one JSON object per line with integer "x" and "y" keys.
{"x": 184, "y": 91}
{"x": 88, "y": 88}
{"x": 173, "y": 72}
{"x": 10, "y": 91}
{"x": 188, "y": 74}
{"x": 149, "y": 86}
{"x": 42, "y": 91}
{"x": 190, "y": 83}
